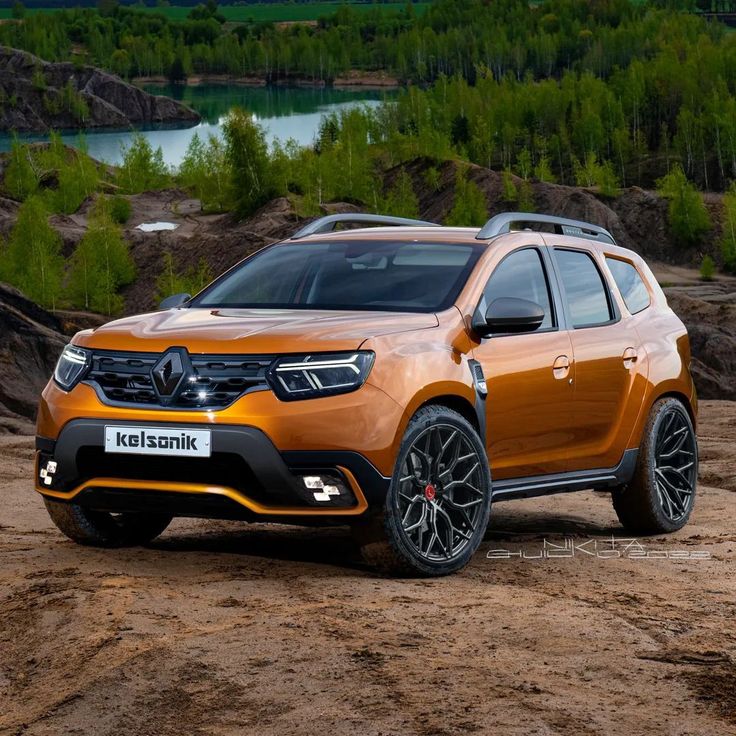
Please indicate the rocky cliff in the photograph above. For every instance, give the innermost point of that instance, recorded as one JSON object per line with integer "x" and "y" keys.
{"x": 37, "y": 96}
{"x": 30, "y": 342}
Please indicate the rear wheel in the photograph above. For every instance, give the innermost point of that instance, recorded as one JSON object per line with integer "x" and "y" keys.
{"x": 439, "y": 501}
{"x": 661, "y": 495}
{"x": 104, "y": 528}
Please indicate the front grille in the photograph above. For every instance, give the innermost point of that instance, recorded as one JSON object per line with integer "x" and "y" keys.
{"x": 215, "y": 381}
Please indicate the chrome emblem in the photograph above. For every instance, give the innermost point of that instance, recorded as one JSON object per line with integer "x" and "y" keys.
{"x": 168, "y": 373}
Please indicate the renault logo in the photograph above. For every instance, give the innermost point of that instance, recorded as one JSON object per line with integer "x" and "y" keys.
{"x": 169, "y": 372}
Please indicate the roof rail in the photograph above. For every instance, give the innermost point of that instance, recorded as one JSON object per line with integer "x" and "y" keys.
{"x": 502, "y": 224}
{"x": 327, "y": 224}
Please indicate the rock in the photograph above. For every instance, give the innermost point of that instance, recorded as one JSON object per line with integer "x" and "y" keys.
{"x": 709, "y": 313}
{"x": 36, "y": 97}
{"x": 30, "y": 342}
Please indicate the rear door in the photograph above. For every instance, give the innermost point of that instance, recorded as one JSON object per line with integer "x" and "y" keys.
{"x": 609, "y": 361}
{"x": 529, "y": 375}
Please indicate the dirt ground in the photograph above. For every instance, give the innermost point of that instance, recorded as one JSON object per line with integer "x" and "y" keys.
{"x": 223, "y": 628}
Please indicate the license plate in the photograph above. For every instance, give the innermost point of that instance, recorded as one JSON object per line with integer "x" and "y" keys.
{"x": 171, "y": 441}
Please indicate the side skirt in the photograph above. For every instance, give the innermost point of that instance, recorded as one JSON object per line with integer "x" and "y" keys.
{"x": 584, "y": 480}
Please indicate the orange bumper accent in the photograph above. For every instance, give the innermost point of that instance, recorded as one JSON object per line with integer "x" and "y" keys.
{"x": 123, "y": 484}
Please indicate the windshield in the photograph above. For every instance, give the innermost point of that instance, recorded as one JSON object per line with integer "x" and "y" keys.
{"x": 368, "y": 275}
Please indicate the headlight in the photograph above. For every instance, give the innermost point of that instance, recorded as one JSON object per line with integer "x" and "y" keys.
{"x": 73, "y": 364}
{"x": 311, "y": 376}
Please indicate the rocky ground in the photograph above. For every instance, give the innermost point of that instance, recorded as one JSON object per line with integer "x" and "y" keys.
{"x": 225, "y": 628}
{"x": 33, "y": 99}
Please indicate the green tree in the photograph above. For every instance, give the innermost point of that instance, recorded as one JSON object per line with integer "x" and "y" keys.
{"x": 205, "y": 171}
{"x": 189, "y": 281}
{"x": 401, "y": 199}
{"x": 469, "y": 208}
{"x": 22, "y": 176}
{"x": 142, "y": 168}
{"x": 247, "y": 152}
{"x": 688, "y": 218}
{"x": 543, "y": 170}
{"x": 100, "y": 264}
{"x": 509, "y": 192}
{"x": 19, "y": 10}
{"x": 32, "y": 260}
{"x": 728, "y": 241}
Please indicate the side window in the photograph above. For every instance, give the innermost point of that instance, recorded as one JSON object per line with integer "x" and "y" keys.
{"x": 587, "y": 296}
{"x": 522, "y": 275}
{"x": 630, "y": 284}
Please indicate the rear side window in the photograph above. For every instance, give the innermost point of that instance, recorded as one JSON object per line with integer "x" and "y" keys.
{"x": 587, "y": 296}
{"x": 521, "y": 274}
{"x": 630, "y": 284}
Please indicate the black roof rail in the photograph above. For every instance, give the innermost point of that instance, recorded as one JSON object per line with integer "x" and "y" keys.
{"x": 502, "y": 224}
{"x": 327, "y": 223}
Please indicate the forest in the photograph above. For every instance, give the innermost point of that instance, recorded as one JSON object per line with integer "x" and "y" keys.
{"x": 500, "y": 83}
{"x": 603, "y": 94}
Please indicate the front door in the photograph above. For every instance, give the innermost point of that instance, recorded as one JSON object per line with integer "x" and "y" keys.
{"x": 530, "y": 377}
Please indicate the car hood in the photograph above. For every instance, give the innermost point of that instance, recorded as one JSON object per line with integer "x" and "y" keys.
{"x": 253, "y": 331}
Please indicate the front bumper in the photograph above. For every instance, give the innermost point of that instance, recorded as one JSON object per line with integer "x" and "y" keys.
{"x": 246, "y": 477}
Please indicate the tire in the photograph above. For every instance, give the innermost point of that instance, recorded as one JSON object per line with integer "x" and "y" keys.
{"x": 103, "y": 528}
{"x": 426, "y": 498}
{"x": 660, "y": 497}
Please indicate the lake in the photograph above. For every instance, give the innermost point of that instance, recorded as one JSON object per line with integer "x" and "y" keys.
{"x": 284, "y": 112}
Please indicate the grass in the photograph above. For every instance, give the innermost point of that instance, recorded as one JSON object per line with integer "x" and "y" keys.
{"x": 274, "y": 12}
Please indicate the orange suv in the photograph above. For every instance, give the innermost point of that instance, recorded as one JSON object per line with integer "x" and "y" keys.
{"x": 396, "y": 378}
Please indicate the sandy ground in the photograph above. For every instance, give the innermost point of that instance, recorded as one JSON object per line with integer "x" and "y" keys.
{"x": 222, "y": 628}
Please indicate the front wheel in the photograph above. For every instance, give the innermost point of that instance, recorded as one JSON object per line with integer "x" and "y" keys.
{"x": 104, "y": 528}
{"x": 661, "y": 495}
{"x": 437, "y": 507}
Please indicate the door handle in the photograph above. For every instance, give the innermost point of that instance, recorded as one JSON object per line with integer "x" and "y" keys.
{"x": 561, "y": 366}
{"x": 629, "y": 357}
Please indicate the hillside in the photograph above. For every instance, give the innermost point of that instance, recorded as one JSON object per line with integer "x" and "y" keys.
{"x": 32, "y": 337}
{"x": 38, "y": 96}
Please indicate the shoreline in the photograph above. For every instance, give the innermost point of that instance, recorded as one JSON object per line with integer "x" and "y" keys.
{"x": 353, "y": 80}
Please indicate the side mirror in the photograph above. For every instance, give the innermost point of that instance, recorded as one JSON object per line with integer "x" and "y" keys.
{"x": 509, "y": 314}
{"x": 175, "y": 300}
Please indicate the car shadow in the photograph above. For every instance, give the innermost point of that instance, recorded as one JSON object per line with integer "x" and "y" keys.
{"x": 331, "y": 546}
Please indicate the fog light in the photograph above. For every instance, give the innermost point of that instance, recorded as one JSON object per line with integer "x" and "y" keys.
{"x": 328, "y": 489}
{"x": 46, "y": 473}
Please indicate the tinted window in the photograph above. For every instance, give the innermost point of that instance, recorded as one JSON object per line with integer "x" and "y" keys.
{"x": 586, "y": 292}
{"x": 374, "y": 275}
{"x": 630, "y": 284}
{"x": 522, "y": 275}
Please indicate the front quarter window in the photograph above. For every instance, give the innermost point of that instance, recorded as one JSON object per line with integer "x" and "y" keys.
{"x": 402, "y": 276}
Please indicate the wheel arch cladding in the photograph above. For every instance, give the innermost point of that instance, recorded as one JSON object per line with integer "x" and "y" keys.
{"x": 682, "y": 398}
{"x": 459, "y": 404}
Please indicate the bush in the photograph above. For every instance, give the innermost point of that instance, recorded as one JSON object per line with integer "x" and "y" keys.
{"x": 687, "y": 215}
{"x": 119, "y": 209}
{"x": 707, "y": 269}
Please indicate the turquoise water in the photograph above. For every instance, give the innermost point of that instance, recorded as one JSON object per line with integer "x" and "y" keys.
{"x": 284, "y": 112}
